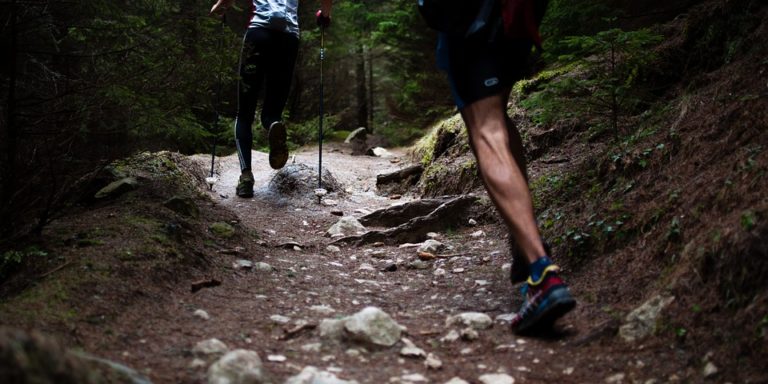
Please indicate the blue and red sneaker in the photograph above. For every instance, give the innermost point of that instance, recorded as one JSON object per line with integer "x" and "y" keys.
{"x": 546, "y": 300}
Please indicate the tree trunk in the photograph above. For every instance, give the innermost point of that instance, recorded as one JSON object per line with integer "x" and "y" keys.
{"x": 369, "y": 58}
{"x": 362, "y": 92}
{"x": 8, "y": 177}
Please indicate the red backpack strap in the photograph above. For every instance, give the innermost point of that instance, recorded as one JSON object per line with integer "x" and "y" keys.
{"x": 521, "y": 20}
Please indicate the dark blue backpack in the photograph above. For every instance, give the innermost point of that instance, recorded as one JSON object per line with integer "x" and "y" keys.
{"x": 519, "y": 18}
{"x": 457, "y": 17}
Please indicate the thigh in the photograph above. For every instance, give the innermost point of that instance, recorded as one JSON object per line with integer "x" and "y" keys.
{"x": 253, "y": 58}
{"x": 478, "y": 68}
{"x": 279, "y": 69}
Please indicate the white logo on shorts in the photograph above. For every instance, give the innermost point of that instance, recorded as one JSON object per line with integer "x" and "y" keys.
{"x": 491, "y": 82}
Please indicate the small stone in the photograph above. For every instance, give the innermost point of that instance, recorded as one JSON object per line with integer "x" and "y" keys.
{"x": 414, "y": 378}
{"x": 411, "y": 350}
{"x": 237, "y": 367}
{"x": 439, "y": 272}
{"x": 475, "y": 320}
{"x": 379, "y": 254}
{"x": 432, "y": 362}
{"x": 466, "y": 351}
{"x": 197, "y": 363}
{"x": 263, "y": 267}
{"x": 505, "y": 317}
{"x": 496, "y": 378}
{"x": 469, "y": 334}
{"x": 458, "y": 270}
{"x": 312, "y": 375}
{"x": 710, "y": 370}
{"x": 280, "y": 319}
{"x": 331, "y": 329}
{"x": 311, "y": 347}
{"x": 431, "y": 246}
{"x": 568, "y": 371}
{"x": 333, "y": 248}
{"x": 276, "y": 358}
{"x": 322, "y": 309}
{"x": 242, "y": 264}
{"x": 418, "y": 264}
{"x": 330, "y": 202}
{"x": 617, "y": 378}
{"x": 456, "y": 380}
{"x": 201, "y": 314}
{"x": 452, "y": 336}
{"x": 210, "y": 347}
{"x": 374, "y": 326}
{"x": 472, "y": 222}
{"x": 477, "y": 234}
{"x": 389, "y": 267}
{"x": 642, "y": 321}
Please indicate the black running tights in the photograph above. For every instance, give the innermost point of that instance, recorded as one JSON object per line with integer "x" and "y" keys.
{"x": 267, "y": 61}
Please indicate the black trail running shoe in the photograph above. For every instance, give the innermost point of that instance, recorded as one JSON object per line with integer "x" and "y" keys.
{"x": 546, "y": 300}
{"x": 245, "y": 184}
{"x": 278, "y": 145}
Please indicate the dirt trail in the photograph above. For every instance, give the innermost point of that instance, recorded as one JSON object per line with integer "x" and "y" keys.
{"x": 313, "y": 276}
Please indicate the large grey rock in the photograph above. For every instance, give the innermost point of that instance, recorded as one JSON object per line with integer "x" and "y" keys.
{"x": 475, "y": 320}
{"x": 346, "y": 226}
{"x": 379, "y": 152}
{"x": 641, "y": 322}
{"x": 210, "y": 347}
{"x": 237, "y": 367}
{"x": 300, "y": 181}
{"x": 373, "y": 326}
{"x": 312, "y": 375}
{"x": 117, "y": 188}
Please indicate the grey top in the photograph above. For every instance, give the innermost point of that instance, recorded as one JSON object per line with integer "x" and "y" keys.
{"x": 279, "y": 15}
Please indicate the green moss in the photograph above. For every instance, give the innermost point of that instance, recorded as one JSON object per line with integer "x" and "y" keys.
{"x": 223, "y": 230}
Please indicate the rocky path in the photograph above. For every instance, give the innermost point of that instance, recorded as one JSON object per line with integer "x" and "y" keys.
{"x": 313, "y": 312}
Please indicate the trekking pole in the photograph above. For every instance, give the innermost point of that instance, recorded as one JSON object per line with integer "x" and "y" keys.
{"x": 211, "y": 180}
{"x": 320, "y": 136}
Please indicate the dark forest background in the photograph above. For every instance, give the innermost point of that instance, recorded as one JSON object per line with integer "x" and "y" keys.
{"x": 87, "y": 82}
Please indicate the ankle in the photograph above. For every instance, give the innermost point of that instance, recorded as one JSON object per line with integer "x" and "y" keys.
{"x": 538, "y": 267}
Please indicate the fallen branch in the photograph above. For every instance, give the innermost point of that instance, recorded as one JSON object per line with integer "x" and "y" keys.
{"x": 59, "y": 268}
{"x": 207, "y": 283}
{"x": 295, "y": 331}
